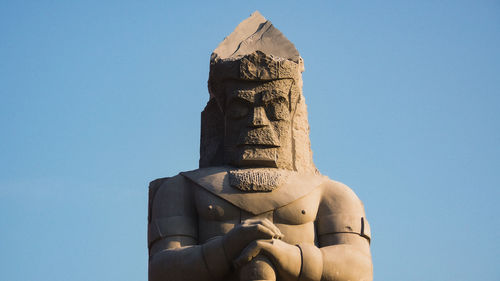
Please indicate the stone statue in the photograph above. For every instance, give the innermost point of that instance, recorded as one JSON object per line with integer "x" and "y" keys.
{"x": 257, "y": 208}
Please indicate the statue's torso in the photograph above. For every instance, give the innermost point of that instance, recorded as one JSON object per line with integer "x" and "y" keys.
{"x": 201, "y": 205}
{"x": 220, "y": 206}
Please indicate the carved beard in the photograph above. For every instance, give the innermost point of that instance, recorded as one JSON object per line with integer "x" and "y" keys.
{"x": 257, "y": 179}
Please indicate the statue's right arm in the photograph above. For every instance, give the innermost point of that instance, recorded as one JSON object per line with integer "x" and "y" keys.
{"x": 175, "y": 253}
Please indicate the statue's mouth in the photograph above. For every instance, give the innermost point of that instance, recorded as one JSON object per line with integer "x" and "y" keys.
{"x": 258, "y": 145}
{"x": 254, "y": 155}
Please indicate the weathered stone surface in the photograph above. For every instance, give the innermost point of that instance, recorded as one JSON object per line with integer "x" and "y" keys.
{"x": 257, "y": 53}
{"x": 257, "y": 180}
{"x": 257, "y": 209}
{"x": 255, "y": 34}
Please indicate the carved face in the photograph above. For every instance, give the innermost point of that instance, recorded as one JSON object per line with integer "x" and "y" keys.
{"x": 258, "y": 124}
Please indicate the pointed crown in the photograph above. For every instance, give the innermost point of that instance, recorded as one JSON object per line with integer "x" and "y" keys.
{"x": 254, "y": 51}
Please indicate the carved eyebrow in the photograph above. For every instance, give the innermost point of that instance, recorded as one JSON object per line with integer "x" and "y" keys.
{"x": 246, "y": 95}
{"x": 268, "y": 96}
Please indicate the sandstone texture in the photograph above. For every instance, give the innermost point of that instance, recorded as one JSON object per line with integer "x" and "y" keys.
{"x": 256, "y": 208}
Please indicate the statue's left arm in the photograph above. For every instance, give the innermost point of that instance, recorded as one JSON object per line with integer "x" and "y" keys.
{"x": 343, "y": 237}
{"x": 343, "y": 243}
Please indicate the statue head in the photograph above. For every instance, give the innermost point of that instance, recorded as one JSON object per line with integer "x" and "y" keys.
{"x": 256, "y": 116}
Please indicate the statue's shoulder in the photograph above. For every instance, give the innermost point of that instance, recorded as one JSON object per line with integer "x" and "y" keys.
{"x": 338, "y": 197}
{"x": 212, "y": 176}
{"x": 169, "y": 196}
{"x": 341, "y": 211}
{"x": 170, "y": 183}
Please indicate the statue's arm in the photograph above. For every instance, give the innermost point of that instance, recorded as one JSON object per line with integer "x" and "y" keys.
{"x": 343, "y": 249}
{"x": 343, "y": 236}
{"x": 174, "y": 253}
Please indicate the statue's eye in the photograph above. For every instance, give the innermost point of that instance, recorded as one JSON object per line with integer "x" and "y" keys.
{"x": 277, "y": 109}
{"x": 237, "y": 109}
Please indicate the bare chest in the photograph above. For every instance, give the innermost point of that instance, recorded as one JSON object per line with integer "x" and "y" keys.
{"x": 217, "y": 216}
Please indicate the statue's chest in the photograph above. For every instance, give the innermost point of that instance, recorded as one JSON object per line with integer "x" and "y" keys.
{"x": 212, "y": 208}
{"x": 215, "y": 209}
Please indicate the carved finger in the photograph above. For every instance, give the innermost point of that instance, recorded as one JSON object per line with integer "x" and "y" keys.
{"x": 251, "y": 251}
{"x": 267, "y": 223}
{"x": 251, "y": 221}
{"x": 262, "y": 232}
{"x": 273, "y": 227}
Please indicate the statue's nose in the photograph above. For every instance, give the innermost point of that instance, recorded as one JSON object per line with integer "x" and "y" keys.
{"x": 259, "y": 118}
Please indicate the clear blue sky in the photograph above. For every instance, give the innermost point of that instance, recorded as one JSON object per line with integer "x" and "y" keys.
{"x": 100, "y": 97}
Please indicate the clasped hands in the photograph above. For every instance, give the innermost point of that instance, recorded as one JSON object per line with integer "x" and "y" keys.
{"x": 256, "y": 237}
